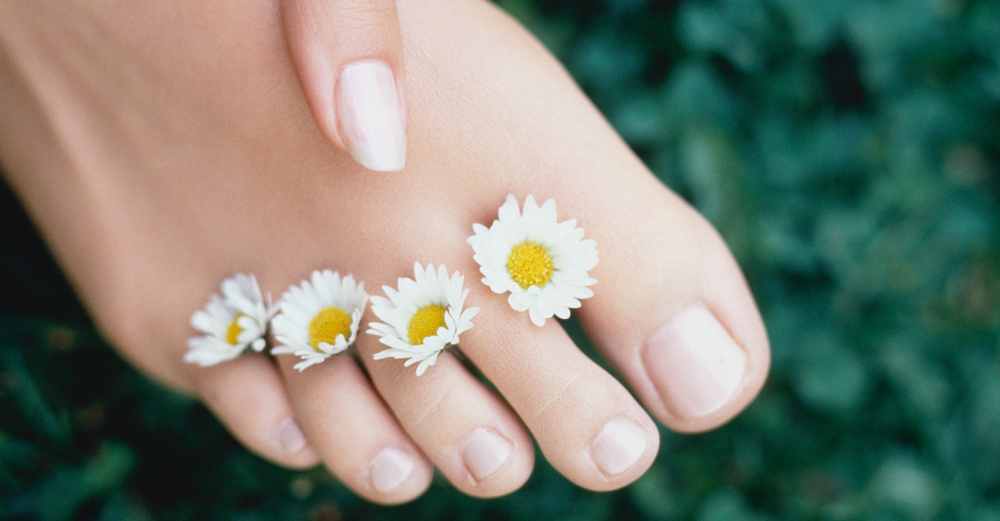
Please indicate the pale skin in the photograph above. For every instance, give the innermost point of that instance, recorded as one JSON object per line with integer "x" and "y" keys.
{"x": 161, "y": 148}
{"x": 327, "y": 41}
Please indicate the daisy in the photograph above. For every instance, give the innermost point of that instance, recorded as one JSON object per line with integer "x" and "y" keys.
{"x": 423, "y": 317}
{"x": 319, "y": 319}
{"x": 231, "y": 323}
{"x": 541, "y": 262}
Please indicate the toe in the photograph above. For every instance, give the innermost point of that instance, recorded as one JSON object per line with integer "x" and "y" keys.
{"x": 469, "y": 433}
{"x": 671, "y": 311}
{"x": 249, "y": 398}
{"x": 586, "y": 423}
{"x": 353, "y": 432}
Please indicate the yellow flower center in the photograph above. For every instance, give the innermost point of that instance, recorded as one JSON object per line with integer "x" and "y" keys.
{"x": 327, "y": 325}
{"x": 425, "y": 323}
{"x": 530, "y": 265}
{"x": 233, "y": 333}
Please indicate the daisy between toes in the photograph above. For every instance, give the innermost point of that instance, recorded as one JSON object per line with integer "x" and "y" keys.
{"x": 543, "y": 263}
{"x": 320, "y": 317}
{"x": 422, "y": 317}
{"x": 231, "y": 323}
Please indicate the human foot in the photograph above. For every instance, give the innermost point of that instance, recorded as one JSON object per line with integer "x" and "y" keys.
{"x": 199, "y": 159}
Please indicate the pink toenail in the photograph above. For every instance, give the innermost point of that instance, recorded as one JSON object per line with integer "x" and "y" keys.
{"x": 695, "y": 364}
{"x": 290, "y": 435}
{"x": 618, "y": 446}
{"x": 485, "y": 451}
{"x": 389, "y": 468}
{"x": 371, "y": 115}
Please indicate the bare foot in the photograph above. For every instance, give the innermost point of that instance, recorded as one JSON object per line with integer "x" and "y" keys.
{"x": 161, "y": 147}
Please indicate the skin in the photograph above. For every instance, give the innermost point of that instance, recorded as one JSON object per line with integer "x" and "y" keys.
{"x": 163, "y": 146}
{"x": 325, "y": 36}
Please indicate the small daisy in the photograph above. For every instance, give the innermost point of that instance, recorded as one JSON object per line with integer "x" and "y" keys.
{"x": 231, "y": 323}
{"x": 541, "y": 262}
{"x": 320, "y": 319}
{"x": 423, "y": 317}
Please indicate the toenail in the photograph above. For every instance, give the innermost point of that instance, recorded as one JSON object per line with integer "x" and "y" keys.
{"x": 389, "y": 468}
{"x": 371, "y": 115}
{"x": 485, "y": 451}
{"x": 694, "y": 363}
{"x": 618, "y": 446}
{"x": 290, "y": 435}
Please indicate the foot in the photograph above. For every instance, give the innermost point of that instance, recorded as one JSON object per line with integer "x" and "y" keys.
{"x": 161, "y": 147}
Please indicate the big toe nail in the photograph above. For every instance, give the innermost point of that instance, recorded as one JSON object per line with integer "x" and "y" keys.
{"x": 695, "y": 364}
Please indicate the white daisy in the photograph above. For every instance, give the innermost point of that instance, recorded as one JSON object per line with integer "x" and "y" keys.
{"x": 541, "y": 262}
{"x": 320, "y": 319}
{"x": 423, "y": 317}
{"x": 231, "y": 323}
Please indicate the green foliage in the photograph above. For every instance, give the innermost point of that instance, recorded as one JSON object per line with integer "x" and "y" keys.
{"x": 848, "y": 153}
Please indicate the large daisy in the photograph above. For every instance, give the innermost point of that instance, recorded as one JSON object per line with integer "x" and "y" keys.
{"x": 541, "y": 262}
{"x": 422, "y": 317}
{"x": 320, "y": 318}
{"x": 231, "y": 322}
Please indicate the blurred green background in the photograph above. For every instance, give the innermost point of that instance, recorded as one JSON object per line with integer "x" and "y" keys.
{"x": 847, "y": 151}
